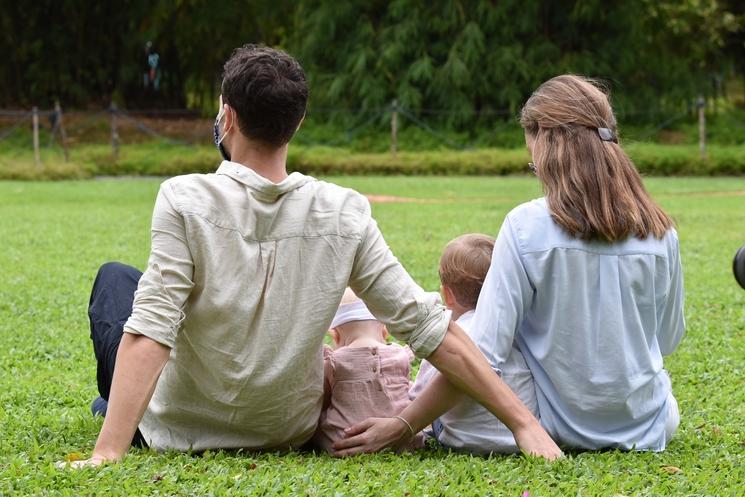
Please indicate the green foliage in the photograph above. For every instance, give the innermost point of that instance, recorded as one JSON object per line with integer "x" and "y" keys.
{"x": 84, "y": 51}
{"x": 55, "y": 235}
{"x": 473, "y": 58}
{"x": 471, "y": 61}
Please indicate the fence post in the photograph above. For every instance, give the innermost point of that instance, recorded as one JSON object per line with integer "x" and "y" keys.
{"x": 394, "y": 128}
{"x": 63, "y": 133}
{"x": 114, "y": 131}
{"x": 701, "y": 103}
{"x": 35, "y": 123}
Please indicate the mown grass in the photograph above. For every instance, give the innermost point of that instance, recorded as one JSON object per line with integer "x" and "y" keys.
{"x": 55, "y": 234}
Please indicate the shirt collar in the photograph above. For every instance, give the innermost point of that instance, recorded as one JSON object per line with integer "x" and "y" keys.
{"x": 466, "y": 316}
{"x": 262, "y": 188}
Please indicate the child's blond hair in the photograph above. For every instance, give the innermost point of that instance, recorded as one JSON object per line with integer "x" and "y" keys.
{"x": 463, "y": 266}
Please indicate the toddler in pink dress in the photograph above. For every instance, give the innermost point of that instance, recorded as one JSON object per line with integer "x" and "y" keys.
{"x": 364, "y": 375}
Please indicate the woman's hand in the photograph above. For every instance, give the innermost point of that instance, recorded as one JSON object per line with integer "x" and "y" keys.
{"x": 372, "y": 435}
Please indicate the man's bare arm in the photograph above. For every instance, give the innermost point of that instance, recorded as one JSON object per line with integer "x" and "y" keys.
{"x": 463, "y": 364}
{"x": 139, "y": 363}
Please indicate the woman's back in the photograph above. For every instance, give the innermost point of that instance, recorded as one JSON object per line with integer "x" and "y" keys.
{"x": 593, "y": 320}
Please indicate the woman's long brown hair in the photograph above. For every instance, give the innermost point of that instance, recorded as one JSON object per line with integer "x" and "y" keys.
{"x": 592, "y": 188}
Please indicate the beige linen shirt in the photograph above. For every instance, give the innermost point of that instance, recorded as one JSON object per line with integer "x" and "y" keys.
{"x": 243, "y": 280}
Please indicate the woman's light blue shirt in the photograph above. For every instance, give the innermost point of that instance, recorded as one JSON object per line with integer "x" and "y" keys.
{"x": 593, "y": 321}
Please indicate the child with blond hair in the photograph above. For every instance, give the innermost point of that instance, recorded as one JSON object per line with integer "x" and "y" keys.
{"x": 468, "y": 426}
{"x": 364, "y": 376}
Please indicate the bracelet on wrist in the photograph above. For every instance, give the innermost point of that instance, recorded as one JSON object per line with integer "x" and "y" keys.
{"x": 408, "y": 425}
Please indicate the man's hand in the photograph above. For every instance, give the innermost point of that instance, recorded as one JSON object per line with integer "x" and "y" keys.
{"x": 461, "y": 362}
{"x": 534, "y": 441}
{"x": 372, "y": 435}
{"x": 139, "y": 363}
{"x": 94, "y": 461}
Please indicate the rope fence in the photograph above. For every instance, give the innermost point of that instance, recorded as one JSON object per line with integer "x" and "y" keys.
{"x": 114, "y": 117}
{"x": 146, "y": 129}
{"x": 9, "y": 130}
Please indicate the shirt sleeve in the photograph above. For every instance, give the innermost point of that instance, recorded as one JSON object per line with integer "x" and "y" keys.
{"x": 157, "y": 311}
{"x": 504, "y": 299}
{"x": 410, "y": 313}
{"x": 672, "y": 322}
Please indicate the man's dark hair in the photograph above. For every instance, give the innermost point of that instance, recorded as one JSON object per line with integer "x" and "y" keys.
{"x": 267, "y": 90}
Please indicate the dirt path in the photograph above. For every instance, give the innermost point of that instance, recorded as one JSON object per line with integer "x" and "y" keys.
{"x": 392, "y": 199}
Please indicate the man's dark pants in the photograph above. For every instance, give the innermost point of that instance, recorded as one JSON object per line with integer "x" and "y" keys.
{"x": 109, "y": 308}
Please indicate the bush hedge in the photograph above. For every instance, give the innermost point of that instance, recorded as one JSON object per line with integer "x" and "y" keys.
{"x": 154, "y": 159}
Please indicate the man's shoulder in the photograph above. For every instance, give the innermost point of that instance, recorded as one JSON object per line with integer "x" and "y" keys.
{"x": 189, "y": 190}
{"x": 312, "y": 206}
{"x": 341, "y": 194}
{"x": 190, "y": 181}
{"x": 321, "y": 191}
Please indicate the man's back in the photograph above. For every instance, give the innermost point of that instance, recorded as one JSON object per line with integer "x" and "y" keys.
{"x": 270, "y": 264}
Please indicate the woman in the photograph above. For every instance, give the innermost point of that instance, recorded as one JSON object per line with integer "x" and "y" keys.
{"x": 586, "y": 282}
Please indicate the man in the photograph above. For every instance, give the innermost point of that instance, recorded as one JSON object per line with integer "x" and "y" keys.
{"x": 247, "y": 267}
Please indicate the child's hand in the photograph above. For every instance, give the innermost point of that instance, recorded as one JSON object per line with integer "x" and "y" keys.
{"x": 372, "y": 435}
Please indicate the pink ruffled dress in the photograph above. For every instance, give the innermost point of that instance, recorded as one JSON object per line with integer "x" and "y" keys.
{"x": 365, "y": 382}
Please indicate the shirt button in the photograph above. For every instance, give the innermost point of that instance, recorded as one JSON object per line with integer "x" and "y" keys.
{"x": 374, "y": 351}
{"x": 374, "y": 368}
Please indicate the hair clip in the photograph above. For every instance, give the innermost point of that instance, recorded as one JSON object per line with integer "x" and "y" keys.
{"x": 607, "y": 135}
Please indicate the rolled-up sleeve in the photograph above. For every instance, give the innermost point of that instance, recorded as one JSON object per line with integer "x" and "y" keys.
{"x": 410, "y": 314}
{"x": 157, "y": 311}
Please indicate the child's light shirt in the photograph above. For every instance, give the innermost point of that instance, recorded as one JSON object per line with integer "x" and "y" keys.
{"x": 469, "y": 426}
{"x": 365, "y": 382}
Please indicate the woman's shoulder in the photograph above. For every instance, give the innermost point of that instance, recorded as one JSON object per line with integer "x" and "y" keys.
{"x": 532, "y": 209}
{"x": 531, "y": 217}
{"x": 532, "y": 227}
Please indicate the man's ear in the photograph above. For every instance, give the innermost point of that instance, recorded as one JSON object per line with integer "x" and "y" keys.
{"x": 384, "y": 332}
{"x": 335, "y": 336}
{"x": 448, "y": 296}
{"x": 230, "y": 118}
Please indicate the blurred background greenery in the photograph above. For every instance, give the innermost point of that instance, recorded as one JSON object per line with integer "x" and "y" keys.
{"x": 474, "y": 61}
{"x": 458, "y": 71}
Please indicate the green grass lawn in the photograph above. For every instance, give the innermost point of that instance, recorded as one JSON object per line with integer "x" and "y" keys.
{"x": 55, "y": 235}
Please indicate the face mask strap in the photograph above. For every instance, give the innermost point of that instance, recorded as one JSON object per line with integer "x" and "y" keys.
{"x": 220, "y": 115}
